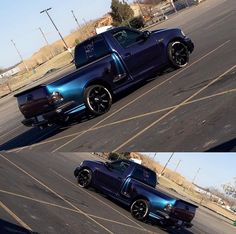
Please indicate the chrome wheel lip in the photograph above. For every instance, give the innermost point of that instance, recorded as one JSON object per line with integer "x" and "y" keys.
{"x": 99, "y": 99}
{"x": 84, "y": 178}
{"x": 179, "y": 55}
{"x": 139, "y": 209}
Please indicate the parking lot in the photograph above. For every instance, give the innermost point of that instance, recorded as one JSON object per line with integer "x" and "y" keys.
{"x": 43, "y": 197}
{"x": 191, "y": 109}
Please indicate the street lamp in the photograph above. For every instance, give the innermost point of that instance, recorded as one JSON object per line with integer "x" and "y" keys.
{"x": 162, "y": 172}
{"x": 76, "y": 20}
{"x": 46, "y": 11}
{"x": 46, "y": 41}
{"x": 18, "y": 52}
{"x": 194, "y": 178}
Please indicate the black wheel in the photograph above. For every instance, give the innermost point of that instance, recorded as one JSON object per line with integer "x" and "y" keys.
{"x": 84, "y": 178}
{"x": 139, "y": 209}
{"x": 98, "y": 99}
{"x": 178, "y": 54}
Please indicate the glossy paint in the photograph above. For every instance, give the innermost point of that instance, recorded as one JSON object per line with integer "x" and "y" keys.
{"x": 119, "y": 186}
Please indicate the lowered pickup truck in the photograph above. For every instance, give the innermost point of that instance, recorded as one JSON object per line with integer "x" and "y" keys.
{"x": 135, "y": 186}
{"x": 106, "y": 64}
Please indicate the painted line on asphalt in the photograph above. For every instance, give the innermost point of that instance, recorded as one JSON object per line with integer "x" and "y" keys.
{"x": 14, "y": 216}
{"x": 126, "y": 120}
{"x": 55, "y": 193}
{"x": 142, "y": 95}
{"x": 11, "y": 131}
{"x": 94, "y": 197}
{"x": 67, "y": 208}
{"x": 173, "y": 110}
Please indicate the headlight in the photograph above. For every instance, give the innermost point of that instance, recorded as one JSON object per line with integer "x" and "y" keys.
{"x": 56, "y": 97}
{"x": 168, "y": 208}
{"x": 183, "y": 33}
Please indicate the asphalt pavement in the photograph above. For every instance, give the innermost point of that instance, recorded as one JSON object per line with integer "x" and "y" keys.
{"x": 39, "y": 194}
{"x": 191, "y": 109}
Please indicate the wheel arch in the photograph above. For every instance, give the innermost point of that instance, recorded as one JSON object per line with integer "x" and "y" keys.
{"x": 99, "y": 82}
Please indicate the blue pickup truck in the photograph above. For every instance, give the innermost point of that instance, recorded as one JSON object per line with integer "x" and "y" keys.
{"x": 135, "y": 186}
{"x": 106, "y": 64}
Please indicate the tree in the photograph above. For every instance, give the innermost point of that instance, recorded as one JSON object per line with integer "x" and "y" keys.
{"x": 120, "y": 12}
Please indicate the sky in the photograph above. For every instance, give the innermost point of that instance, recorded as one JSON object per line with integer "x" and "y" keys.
{"x": 215, "y": 168}
{"x": 20, "y": 20}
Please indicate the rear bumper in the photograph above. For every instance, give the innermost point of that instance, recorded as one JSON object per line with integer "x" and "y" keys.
{"x": 189, "y": 44}
{"x": 50, "y": 117}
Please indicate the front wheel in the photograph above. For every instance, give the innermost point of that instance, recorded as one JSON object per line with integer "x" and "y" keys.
{"x": 139, "y": 209}
{"x": 178, "y": 54}
{"x": 84, "y": 178}
{"x": 98, "y": 99}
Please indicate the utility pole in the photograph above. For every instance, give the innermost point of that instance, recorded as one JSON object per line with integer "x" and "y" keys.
{"x": 46, "y": 11}
{"x": 18, "y": 52}
{"x": 194, "y": 178}
{"x": 162, "y": 172}
{"x": 46, "y": 41}
{"x": 76, "y": 20}
{"x": 177, "y": 165}
{"x": 86, "y": 27}
{"x": 140, "y": 8}
{"x": 154, "y": 156}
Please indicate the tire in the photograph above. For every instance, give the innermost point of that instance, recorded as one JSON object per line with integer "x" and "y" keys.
{"x": 140, "y": 209}
{"x": 84, "y": 178}
{"x": 178, "y": 54}
{"x": 98, "y": 99}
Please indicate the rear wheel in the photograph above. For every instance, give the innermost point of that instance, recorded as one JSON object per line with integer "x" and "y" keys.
{"x": 98, "y": 99}
{"x": 84, "y": 178}
{"x": 178, "y": 54}
{"x": 139, "y": 209}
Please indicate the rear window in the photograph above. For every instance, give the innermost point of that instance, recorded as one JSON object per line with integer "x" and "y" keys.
{"x": 90, "y": 50}
{"x": 145, "y": 175}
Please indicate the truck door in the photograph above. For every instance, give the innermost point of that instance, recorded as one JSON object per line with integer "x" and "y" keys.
{"x": 112, "y": 177}
{"x": 140, "y": 55}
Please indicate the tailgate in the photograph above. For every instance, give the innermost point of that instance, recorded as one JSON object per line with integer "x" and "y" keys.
{"x": 184, "y": 210}
{"x": 34, "y": 101}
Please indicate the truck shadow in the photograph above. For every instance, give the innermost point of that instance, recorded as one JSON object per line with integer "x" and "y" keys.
{"x": 35, "y": 135}
{"x": 228, "y": 146}
{"x": 10, "y": 228}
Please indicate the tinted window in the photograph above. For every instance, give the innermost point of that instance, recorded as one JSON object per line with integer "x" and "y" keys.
{"x": 120, "y": 166}
{"x": 90, "y": 50}
{"x": 145, "y": 175}
{"x": 127, "y": 37}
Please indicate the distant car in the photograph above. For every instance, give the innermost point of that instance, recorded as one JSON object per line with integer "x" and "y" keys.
{"x": 135, "y": 186}
{"x": 106, "y": 64}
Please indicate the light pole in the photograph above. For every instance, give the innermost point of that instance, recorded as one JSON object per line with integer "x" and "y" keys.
{"x": 194, "y": 178}
{"x": 18, "y": 52}
{"x": 46, "y": 41}
{"x": 46, "y": 11}
{"x": 162, "y": 172}
{"x": 76, "y": 20}
{"x": 177, "y": 165}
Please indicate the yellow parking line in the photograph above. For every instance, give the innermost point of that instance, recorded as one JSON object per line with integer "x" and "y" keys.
{"x": 13, "y": 215}
{"x": 145, "y": 93}
{"x": 174, "y": 109}
{"x": 67, "y": 209}
{"x": 126, "y": 120}
{"x": 104, "y": 203}
{"x": 55, "y": 193}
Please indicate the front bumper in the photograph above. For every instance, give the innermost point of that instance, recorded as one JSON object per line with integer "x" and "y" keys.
{"x": 59, "y": 113}
{"x": 188, "y": 42}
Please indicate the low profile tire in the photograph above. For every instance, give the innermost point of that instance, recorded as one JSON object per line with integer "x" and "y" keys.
{"x": 178, "y": 54}
{"x": 84, "y": 178}
{"x": 140, "y": 209}
{"x": 98, "y": 99}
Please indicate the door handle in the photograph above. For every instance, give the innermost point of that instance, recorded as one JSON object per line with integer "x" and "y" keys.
{"x": 127, "y": 55}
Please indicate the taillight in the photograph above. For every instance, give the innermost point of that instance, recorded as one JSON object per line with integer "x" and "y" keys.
{"x": 56, "y": 97}
{"x": 168, "y": 208}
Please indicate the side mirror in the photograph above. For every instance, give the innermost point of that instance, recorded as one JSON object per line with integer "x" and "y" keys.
{"x": 146, "y": 34}
{"x": 108, "y": 165}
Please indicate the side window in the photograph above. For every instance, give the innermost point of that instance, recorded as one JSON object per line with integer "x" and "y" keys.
{"x": 127, "y": 37}
{"x": 120, "y": 166}
{"x": 145, "y": 175}
{"x": 90, "y": 50}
